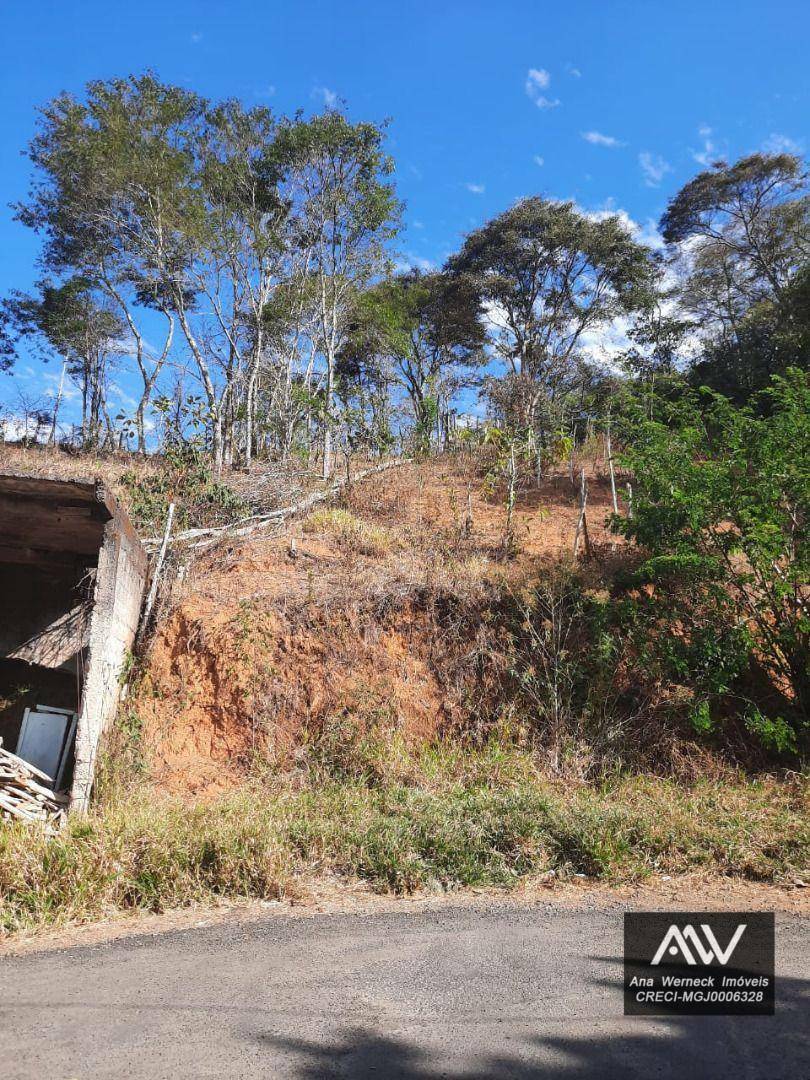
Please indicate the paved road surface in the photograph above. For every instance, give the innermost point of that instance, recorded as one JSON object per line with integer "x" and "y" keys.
{"x": 492, "y": 992}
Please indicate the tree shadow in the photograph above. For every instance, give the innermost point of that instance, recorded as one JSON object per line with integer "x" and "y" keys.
{"x": 697, "y": 1048}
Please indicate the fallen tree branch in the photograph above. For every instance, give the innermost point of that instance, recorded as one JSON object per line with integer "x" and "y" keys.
{"x": 248, "y": 525}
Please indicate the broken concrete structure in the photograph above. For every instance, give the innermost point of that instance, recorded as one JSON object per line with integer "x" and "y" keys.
{"x": 72, "y": 576}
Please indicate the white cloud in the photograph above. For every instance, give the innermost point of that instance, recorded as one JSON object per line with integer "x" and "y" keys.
{"x": 196, "y": 37}
{"x": 410, "y": 261}
{"x": 330, "y": 97}
{"x": 538, "y": 80}
{"x": 574, "y": 72}
{"x": 604, "y": 346}
{"x": 125, "y": 400}
{"x": 710, "y": 151}
{"x": 782, "y": 144}
{"x": 596, "y": 138}
{"x": 265, "y": 91}
{"x": 646, "y": 233}
{"x": 654, "y": 168}
{"x": 476, "y": 189}
{"x": 70, "y": 392}
{"x": 547, "y": 103}
{"x": 538, "y": 160}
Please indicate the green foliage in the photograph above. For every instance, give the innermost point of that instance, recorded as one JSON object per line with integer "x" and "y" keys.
{"x": 187, "y": 480}
{"x": 739, "y": 234}
{"x": 775, "y": 733}
{"x": 721, "y": 510}
{"x": 424, "y": 333}
{"x": 553, "y": 275}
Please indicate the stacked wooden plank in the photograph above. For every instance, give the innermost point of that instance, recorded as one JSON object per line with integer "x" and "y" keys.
{"x": 26, "y": 793}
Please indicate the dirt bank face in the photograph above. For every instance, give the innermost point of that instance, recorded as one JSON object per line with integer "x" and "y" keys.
{"x": 375, "y": 620}
{"x": 223, "y": 686}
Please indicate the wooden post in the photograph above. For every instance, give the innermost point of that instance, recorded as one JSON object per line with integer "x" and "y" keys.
{"x": 609, "y": 447}
{"x": 150, "y": 600}
{"x": 629, "y": 501}
{"x": 468, "y": 520}
{"x": 582, "y": 521}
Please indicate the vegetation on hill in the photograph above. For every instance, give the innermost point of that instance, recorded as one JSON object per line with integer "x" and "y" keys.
{"x": 571, "y": 635}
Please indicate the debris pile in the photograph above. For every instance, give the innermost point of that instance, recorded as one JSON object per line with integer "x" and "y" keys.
{"x": 24, "y": 794}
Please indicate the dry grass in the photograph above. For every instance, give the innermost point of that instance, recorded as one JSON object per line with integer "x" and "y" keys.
{"x": 445, "y": 818}
{"x": 353, "y": 533}
{"x": 55, "y": 464}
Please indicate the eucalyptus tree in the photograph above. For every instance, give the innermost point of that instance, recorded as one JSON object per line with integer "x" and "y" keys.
{"x": 229, "y": 246}
{"x": 111, "y": 170}
{"x": 343, "y": 212}
{"x": 739, "y": 239}
{"x": 429, "y": 331}
{"x": 549, "y": 277}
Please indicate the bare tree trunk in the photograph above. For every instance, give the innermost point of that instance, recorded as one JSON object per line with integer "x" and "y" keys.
{"x": 328, "y": 452}
{"x": 56, "y": 404}
{"x": 582, "y": 521}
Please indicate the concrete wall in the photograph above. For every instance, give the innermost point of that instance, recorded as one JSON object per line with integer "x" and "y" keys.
{"x": 120, "y": 582}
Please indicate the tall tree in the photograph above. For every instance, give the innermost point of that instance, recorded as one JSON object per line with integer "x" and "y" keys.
{"x": 344, "y": 211}
{"x": 228, "y": 246}
{"x": 755, "y": 214}
{"x": 110, "y": 172}
{"x": 739, "y": 238}
{"x": 549, "y": 276}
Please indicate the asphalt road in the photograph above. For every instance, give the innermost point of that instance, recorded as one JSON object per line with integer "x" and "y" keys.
{"x": 492, "y": 992}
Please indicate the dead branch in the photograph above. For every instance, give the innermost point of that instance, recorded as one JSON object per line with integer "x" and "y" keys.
{"x": 246, "y": 526}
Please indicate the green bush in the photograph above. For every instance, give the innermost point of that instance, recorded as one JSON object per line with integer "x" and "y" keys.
{"x": 185, "y": 479}
{"x": 721, "y": 513}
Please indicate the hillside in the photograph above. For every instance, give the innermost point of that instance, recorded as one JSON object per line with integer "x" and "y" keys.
{"x": 381, "y": 691}
{"x": 377, "y": 613}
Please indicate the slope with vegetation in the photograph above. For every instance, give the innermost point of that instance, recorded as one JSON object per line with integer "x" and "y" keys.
{"x": 399, "y": 696}
{"x": 426, "y": 680}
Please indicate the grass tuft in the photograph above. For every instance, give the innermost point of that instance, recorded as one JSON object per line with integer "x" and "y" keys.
{"x": 351, "y": 531}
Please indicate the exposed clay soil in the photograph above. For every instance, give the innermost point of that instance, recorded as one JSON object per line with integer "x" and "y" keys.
{"x": 270, "y": 641}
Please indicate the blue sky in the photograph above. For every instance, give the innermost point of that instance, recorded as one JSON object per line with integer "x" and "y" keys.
{"x": 614, "y": 104}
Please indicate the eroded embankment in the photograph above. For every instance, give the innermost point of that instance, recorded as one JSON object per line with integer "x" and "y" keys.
{"x": 381, "y": 618}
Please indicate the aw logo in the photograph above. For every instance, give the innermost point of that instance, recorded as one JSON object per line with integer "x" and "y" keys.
{"x": 682, "y": 943}
{"x": 692, "y": 963}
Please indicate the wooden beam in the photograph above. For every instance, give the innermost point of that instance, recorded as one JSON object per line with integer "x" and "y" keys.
{"x": 21, "y": 554}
